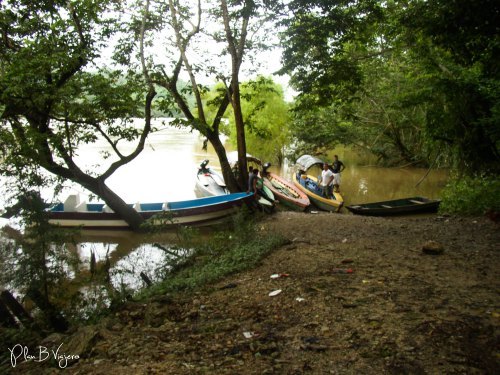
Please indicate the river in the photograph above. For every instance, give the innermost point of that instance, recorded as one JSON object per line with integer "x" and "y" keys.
{"x": 166, "y": 170}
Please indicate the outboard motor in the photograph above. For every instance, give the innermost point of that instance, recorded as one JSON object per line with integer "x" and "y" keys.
{"x": 203, "y": 165}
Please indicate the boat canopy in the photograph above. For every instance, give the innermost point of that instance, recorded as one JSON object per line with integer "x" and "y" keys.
{"x": 307, "y": 161}
{"x": 232, "y": 158}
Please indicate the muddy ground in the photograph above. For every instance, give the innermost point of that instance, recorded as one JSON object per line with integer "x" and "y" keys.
{"x": 400, "y": 311}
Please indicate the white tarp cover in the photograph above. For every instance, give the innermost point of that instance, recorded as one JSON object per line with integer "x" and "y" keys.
{"x": 307, "y": 161}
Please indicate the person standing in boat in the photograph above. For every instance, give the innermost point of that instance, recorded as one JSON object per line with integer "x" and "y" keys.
{"x": 337, "y": 167}
{"x": 326, "y": 181}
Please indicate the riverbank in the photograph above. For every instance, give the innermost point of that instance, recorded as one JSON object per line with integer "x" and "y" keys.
{"x": 401, "y": 310}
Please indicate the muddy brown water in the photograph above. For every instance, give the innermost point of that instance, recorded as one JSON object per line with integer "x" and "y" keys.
{"x": 166, "y": 171}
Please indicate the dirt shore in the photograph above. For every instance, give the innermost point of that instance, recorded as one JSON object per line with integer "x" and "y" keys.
{"x": 401, "y": 310}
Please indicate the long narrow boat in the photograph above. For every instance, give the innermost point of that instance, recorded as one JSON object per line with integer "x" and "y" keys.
{"x": 282, "y": 189}
{"x": 194, "y": 212}
{"x": 402, "y": 206}
{"x": 286, "y": 192}
{"x": 310, "y": 186}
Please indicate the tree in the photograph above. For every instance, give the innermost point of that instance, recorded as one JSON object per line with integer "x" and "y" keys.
{"x": 442, "y": 57}
{"x": 316, "y": 40}
{"x": 458, "y": 44}
{"x": 51, "y": 102}
{"x": 54, "y": 98}
{"x": 266, "y": 118}
{"x": 187, "y": 39}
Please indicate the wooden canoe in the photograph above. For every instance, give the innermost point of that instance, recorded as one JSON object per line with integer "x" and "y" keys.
{"x": 403, "y": 206}
{"x": 286, "y": 192}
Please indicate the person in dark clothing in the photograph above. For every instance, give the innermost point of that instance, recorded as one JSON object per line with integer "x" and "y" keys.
{"x": 337, "y": 167}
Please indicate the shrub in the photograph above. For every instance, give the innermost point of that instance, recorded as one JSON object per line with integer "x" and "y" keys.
{"x": 471, "y": 195}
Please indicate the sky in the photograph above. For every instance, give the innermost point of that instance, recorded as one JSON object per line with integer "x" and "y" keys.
{"x": 205, "y": 52}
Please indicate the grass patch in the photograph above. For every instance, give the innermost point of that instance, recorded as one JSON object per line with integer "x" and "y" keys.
{"x": 237, "y": 248}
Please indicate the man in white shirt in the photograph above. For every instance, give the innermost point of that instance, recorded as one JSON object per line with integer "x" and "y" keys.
{"x": 326, "y": 181}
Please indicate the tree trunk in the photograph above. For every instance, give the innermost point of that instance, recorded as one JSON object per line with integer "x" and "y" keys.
{"x": 227, "y": 173}
{"x": 126, "y": 212}
{"x": 240, "y": 134}
{"x": 16, "y": 308}
{"x": 6, "y": 319}
{"x": 118, "y": 205}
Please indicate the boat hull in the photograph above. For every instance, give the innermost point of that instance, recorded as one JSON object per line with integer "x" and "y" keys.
{"x": 286, "y": 192}
{"x": 307, "y": 186}
{"x": 196, "y": 212}
{"x": 209, "y": 183}
{"x": 404, "y": 206}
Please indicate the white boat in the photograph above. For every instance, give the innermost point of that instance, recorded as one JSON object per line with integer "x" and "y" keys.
{"x": 196, "y": 212}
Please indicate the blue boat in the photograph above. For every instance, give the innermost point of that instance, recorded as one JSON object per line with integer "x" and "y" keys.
{"x": 193, "y": 212}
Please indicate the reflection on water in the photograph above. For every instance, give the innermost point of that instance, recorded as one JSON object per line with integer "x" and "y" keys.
{"x": 125, "y": 275}
{"x": 100, "y": 251}
{"x": 124, "y": 262}
{"x": 152, "y": 260}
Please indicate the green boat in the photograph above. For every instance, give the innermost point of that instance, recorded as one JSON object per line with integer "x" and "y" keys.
{"x": 403, "y": 206}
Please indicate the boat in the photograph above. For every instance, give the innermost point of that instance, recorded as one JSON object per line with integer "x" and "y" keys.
{"x": 209, "y": 182}
{"x": 310, "y": 185}
{"x": 403, "y": 206}
{"x": 283, "y": 190}
{"x": 266, "y": 203}
{"x": 194, "y": 212}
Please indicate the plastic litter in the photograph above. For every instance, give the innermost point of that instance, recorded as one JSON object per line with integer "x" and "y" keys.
{"x": 300, "y": 299}
{"x": 278, "y": 275}
{"x": 342, "y": 270}
{"x": 248, "y": 334}
{"x": 275, "y": 293}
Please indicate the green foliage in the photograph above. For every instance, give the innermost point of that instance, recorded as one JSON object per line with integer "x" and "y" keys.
{"x": 224, "y": 253}
{"x": 39, "y": 260}
{"x": 266, "y": 118}
{"x": 457, "y": 45}
{"x": 412, "y": 82}
{"x": 471, "y": 195}
{"x": 314, "y": 41}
